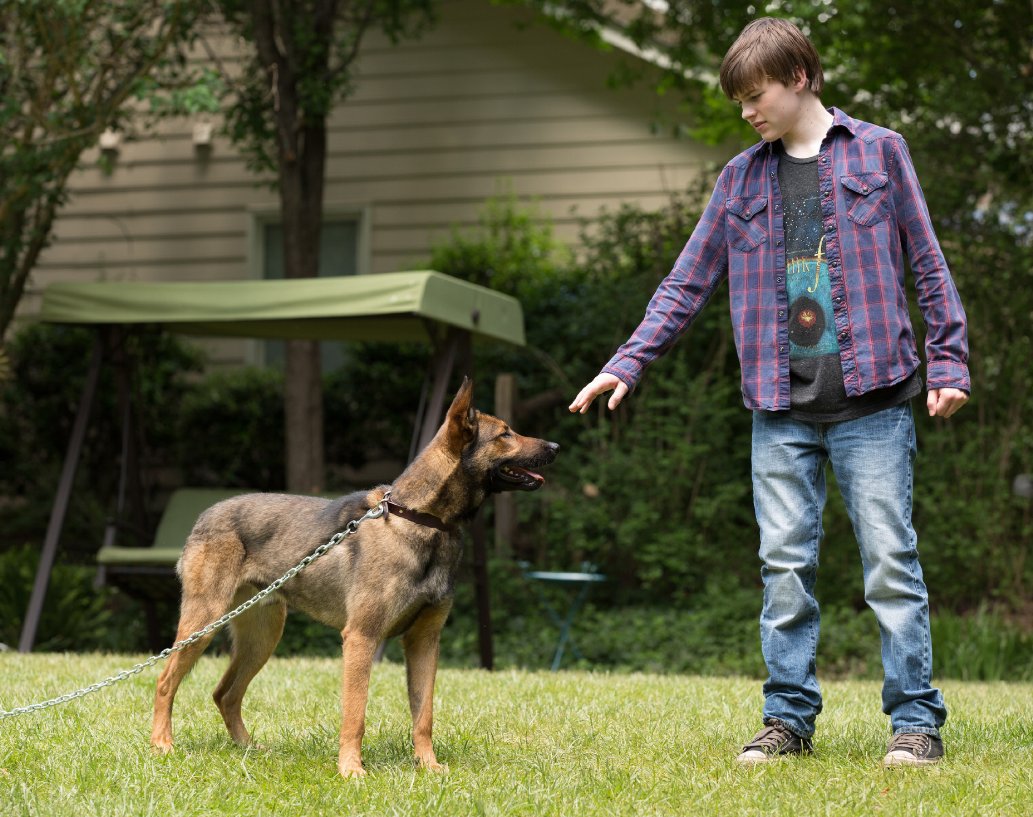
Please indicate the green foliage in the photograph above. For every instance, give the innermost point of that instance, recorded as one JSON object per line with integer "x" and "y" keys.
{"x": 68, "y": 70}
{"x": 231, "y": 430}
{"x": 951, "y": 75}
{"x": 983, "y": 646}
{"x": 309, "y": 54}
{"x": 371, "y": 402}
{"x": 76, "y": 617}
{"x": 37, "y": 408}
{"x": 201, "y": 94}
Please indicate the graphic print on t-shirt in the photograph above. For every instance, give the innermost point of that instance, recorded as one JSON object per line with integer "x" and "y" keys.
{"x": 812, "y": 331}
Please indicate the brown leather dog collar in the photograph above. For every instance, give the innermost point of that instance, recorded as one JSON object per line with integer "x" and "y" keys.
{"x": 419, "y": 517}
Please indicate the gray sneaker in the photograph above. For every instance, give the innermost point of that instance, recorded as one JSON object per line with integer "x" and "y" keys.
{"x": 913, "y": 749}
{"x": 774, "y": 741}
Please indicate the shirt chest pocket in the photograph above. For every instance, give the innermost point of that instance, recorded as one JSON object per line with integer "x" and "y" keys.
{"x": 747, "y": 228}
{"x": 867, "y": 197}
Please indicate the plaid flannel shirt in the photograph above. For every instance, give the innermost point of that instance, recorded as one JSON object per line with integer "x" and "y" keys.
{"x": 874, "y": 212}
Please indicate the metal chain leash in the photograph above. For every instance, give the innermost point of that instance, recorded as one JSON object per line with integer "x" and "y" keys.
{"x": 349, "y": 529}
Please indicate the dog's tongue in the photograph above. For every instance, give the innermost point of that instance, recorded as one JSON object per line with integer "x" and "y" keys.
{"x": 536, "y": 477}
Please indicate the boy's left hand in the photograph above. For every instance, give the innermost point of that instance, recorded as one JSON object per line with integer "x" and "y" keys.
{"x": 945, "y": 402}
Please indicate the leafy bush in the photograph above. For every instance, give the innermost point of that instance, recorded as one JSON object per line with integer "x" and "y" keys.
{"x": 77, "y": 617}
{"x": 38, "y": 406}
{"x": 231, "y": 430}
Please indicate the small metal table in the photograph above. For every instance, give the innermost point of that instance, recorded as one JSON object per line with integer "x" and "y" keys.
{"x": 581, "y": 583}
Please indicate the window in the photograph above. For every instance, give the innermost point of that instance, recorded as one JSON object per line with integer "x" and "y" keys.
{"x": 341, "y": 252}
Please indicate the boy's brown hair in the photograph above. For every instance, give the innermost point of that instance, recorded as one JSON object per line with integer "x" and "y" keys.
{"x": 770, "y": 47}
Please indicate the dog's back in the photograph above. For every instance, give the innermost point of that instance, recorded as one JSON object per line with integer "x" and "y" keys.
{"x": 247, "y": 525}
{"x": 252, "y": 539}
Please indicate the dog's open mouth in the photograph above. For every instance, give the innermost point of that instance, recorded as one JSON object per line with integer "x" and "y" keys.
{"x": 510, "y": 477}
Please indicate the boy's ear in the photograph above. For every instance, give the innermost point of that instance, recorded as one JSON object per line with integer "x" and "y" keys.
{"x": 462, "y": 418}
{"x": 800, "y": 80}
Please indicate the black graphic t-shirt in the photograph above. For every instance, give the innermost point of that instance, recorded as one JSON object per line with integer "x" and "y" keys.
{"x": 815, "y": 372}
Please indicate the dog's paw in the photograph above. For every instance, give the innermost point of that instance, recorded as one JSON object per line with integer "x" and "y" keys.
{"x": 432, "y": 766}
{"x": 161, "y": 747}
{"x": 351, "y": 771}
{"x": 255, "y": 746}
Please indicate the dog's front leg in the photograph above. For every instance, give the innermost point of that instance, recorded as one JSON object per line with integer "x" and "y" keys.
{"x": 358, "y": 664}
{"x": 421, "y": 644}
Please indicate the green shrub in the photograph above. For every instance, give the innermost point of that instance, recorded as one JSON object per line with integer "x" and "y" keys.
{"x": 77, "y": 617}
{"x": 981, "y": 646}
{"x": 38, "y": 406}
{"x": 231, "y": 430}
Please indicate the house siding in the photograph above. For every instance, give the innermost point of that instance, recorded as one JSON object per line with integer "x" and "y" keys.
{"x": 478, "y": 107}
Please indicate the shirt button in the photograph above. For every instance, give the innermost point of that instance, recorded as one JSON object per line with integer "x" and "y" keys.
{"x": 779, "y": 242}
{"x": 781, "y": 348}
{"x": 778, "y": 280}
{"x": 844, "y": 335}
{"x": 781, "y": 313}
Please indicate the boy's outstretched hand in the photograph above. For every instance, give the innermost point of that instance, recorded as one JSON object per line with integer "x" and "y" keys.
{"x": 945, "y": 402}
{"x": 602, "y": 383}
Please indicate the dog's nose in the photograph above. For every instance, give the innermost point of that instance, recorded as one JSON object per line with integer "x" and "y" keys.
{"x": 553, "y": 447}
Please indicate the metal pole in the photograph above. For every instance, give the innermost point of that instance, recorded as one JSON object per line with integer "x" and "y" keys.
{"x": 61, "y": 500}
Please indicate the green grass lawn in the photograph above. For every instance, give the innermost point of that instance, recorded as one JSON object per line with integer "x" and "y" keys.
{"x": 517, "y": 743}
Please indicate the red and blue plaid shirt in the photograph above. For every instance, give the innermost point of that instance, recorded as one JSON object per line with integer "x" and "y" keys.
{"x": 874, "y": 212}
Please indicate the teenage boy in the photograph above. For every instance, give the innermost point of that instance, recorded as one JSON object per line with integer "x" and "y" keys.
{"x": 811, "y": 226}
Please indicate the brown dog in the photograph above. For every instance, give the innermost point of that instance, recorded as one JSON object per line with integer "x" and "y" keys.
{"x": 393, "y": 576}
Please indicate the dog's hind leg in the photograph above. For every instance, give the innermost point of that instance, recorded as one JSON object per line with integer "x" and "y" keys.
{"x": 196, "y": 614}
{"x": 255, "y": 636}
{"x": 420, "y": 644}
{"x": 207, "y": 593}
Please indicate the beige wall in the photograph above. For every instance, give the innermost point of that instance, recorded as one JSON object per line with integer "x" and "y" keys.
{"x": 475, "y": 108}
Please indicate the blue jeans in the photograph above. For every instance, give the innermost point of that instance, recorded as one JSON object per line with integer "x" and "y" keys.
{"x": 873, "y": 460}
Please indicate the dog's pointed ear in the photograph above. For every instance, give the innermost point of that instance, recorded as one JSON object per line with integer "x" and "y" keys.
{"x": 462, "y": 418}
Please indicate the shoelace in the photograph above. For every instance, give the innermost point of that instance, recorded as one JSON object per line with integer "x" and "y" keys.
{"x": 772, "y": 737}
{"x": 916, "y": 743}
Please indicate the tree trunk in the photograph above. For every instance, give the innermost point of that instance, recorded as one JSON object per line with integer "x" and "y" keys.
{"x": 302, "y": 163}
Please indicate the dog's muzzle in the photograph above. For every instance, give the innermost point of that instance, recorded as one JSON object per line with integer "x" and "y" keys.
{"x": 518, "y": 475}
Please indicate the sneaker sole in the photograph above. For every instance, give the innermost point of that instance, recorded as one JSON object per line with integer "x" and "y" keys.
{"x": 753, "y": 758}
{"x": 906, "y": 759}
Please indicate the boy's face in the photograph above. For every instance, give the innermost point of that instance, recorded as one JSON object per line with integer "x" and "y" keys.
{"x": 773, "y": 109}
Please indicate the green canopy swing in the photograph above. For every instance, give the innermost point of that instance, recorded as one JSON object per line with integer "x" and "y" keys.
{"x": 423, "y": 306}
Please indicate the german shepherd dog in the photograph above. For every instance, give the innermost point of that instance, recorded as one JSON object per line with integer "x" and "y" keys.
{"x": 394, "y": 575}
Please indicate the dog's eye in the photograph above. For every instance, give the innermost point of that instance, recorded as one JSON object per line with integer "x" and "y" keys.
{"x": 506, "y": 433}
